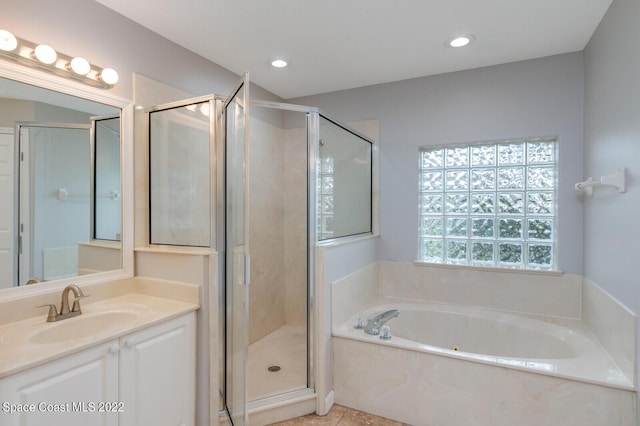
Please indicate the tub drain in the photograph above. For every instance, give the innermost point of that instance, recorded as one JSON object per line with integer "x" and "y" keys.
{"x": 274, "y": 368}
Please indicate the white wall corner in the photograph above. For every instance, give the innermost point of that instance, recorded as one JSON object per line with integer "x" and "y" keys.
{"x": 613, "y": 324}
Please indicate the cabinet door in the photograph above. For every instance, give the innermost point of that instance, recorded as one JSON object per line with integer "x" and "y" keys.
{"x": 157, "y": 374}
{"x": 69, "y": 392}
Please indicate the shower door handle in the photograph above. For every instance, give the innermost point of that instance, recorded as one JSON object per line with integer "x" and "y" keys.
{"x": 246, "y": 269}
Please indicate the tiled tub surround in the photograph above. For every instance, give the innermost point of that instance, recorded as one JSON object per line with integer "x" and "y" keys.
{"x": 542, "y": 293}
{"x": 613, "y": 325}
{"x": 539, "y": 293}
{"x": 152, "y": 301}
{"x": 426, "y": 389}
{"x": 556, "y": 347}
{"x": 428, "y": 383}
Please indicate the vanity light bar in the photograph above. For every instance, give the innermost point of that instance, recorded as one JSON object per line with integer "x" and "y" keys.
{"x": 45, "y": 57}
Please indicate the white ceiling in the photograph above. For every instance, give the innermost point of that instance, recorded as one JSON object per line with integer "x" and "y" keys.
{"x": 340, "y": 44}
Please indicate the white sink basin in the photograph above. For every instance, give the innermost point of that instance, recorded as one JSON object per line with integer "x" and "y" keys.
{"x": 82, "y": 326}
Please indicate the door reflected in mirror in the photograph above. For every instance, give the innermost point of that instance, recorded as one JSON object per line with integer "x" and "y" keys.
{"x": 60, "y": 187}
{"x": 107, "y": 223}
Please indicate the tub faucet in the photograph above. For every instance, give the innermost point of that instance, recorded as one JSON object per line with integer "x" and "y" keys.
{"x": 374, "y": 324}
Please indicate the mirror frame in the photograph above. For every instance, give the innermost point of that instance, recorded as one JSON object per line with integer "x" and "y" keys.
{"x": 58, "y": 84}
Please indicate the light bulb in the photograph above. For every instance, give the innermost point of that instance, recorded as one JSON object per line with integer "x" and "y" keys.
{"x": 45, "y": 54}
{"x": 8, "y": 41}
{"x": 109, "y": 76}
{"x": 204, "y": 110}
{"x": 80, "y": 66}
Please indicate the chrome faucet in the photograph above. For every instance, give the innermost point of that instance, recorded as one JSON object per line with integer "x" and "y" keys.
{"x": 65, "y": 312}
{"x": 374, "y": 324}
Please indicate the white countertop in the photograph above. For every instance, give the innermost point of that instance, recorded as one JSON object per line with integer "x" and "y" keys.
{"x": 22, "y": 346}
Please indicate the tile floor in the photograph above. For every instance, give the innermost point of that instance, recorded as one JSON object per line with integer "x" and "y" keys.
{"x": 341, "y": 416}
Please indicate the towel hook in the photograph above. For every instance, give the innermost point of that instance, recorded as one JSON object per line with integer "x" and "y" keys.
{"x": 617, "y": 180}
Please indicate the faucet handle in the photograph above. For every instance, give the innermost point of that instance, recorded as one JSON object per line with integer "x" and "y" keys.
{"x": 53, "y": 311}
{"x": 385, "y": 332}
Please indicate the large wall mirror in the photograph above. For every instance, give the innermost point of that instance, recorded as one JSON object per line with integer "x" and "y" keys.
{"x": 61, "y": 182}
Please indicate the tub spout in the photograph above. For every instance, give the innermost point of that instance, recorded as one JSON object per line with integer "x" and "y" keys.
{"x": 374, "y": 324}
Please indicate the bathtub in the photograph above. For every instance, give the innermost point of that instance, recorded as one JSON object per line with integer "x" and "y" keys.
{"x": 455, "y": 365}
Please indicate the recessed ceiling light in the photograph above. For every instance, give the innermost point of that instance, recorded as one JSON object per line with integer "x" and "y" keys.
{"x": 460, "y": 41}
{"x": 279, "y": 63}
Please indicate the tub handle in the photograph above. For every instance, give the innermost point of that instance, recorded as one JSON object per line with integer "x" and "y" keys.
{"x": 385, "y": 333}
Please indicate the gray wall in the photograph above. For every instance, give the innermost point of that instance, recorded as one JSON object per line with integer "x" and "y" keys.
{"x": 541, "y": 97}
{"x": 531, "y": 98}
{"x": 612, "y": 140}
{"x": 107, "y": 39}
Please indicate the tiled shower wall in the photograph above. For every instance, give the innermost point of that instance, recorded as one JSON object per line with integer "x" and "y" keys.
{"x": 266, "y": 230}
{"x": 278, "y": 228}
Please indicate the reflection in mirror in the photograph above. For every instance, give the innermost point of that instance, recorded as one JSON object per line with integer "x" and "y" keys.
{"x": 344, "y": 185}
{"x": 180, "y": 140}
{"x": 54, "y": 204}
{"x": 45, "y": 186}
{"x": 107, "y": 220}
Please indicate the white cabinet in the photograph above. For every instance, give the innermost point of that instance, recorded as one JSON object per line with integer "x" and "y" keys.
{"x": 144, "y": 378}
{"x": 157, "y": 374}
{"x": 60, "y": 392}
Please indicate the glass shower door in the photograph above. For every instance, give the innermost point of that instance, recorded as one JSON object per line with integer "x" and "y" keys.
{"x": 236, "y": 112}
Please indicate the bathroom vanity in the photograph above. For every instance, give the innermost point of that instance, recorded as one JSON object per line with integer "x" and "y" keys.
{"x": 126, "y": 360}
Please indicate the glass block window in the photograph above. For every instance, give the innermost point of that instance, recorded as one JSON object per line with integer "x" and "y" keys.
{"x": 325, "y": 197}
{"x": 489, "y": 204}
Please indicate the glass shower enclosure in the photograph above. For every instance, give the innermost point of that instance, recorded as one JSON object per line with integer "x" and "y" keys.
{"x": 261, "y": 183}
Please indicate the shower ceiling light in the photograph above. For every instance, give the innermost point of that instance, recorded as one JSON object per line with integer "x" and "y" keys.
{"x": 279, "y": 63}
{"x": 44, "y": 57}
{"x": 460, "y": 41}
{"x": 204, "y": 110}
